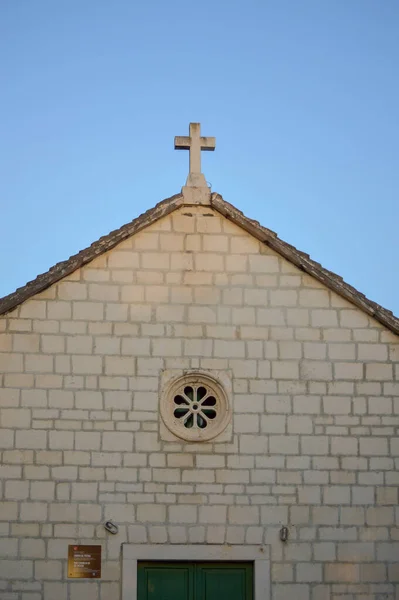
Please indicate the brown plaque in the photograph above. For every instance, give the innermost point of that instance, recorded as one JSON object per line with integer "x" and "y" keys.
{"x": 84, "y": 561}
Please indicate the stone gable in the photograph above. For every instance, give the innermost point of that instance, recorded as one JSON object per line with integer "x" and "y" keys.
{"x": 313, "y": 439}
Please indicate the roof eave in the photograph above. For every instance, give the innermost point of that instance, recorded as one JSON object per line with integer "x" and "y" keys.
{"x": 104, "y": 244}
{"x": 167, "y": 206}
{"x": 306, "y": 264}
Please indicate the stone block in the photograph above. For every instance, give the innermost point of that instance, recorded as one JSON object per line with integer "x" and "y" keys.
{"x": 83, "y": 589}
{"x": 63, "y": 512}
{"x": 274, "y": 515}
{"x": 62, "y": 473}
{"x": 309, "y": 494}
{"x": 235, "y": 535}
{"x": 324, "y": 318}
{"x": 212, "y": 514}
{"x": 372, "y": 446}
{"x": 314, "y": 298}
{"x": 299, "y": 591}
{"x": 84, "y": 491}
{"x": 16, "y": 569}
{"x": 387, "y": 495}
{"x": 32, "y": 548}
{"x": 253, "y": 444}
{"x": 244, "y": 245}
{"x": 353, "y": 318}
{"x": 200, "y": 476}
{"x": 307, "y": 571}
{"x": 170, "y": 314}
{"x": 379, "y": 371}
{"x": 264, "y": 264}
{"x": 61, "y": 440}
{"x": 344, "y": 446}
{"x": 6, "y": 438}
{"x": 166, "y": 347}
{"x": 33, "y": 309}
{"x": 337, "y": 351}
{"x": 306, "y": 404}
{"x": 151, "y": 513}
{"x": 118, "y": 312}
{"x": 88, "y": 311}
{"x": 324, "y": 551}
{"x": 314, "y": 444}
{"x": 375, "y": 573}
{"x": 315, "y": 350}
{"x": 325, "y": 515}
{"x": 337, "y": 494}
{"x": 377, "y": 516}
{"x": 356, "y": 552}
{"x": 79, "y": 344}
{"x": 33, "y": 511}
{"x": 297, "y": 551}
{"x": 270, "y": 316}
{"x": 14, "y": 489}
{"x": 209, "y": 262}
{"x": 337, "y": 405}
{"x": 119, "y": 365}
{"x": 146, "y": 442}
{"x": 363, "y": 495}
{"x": 348, "y": 370}
{"x": 282, "y": 572}
{"x": 182, "y": 514}
{"x": 55, "y": 590}
{"x": 86, "y": 365}
{"x": 316, "y": 370}
{"x": 35, "y": 439}
{"x": 8, "y": 510}
{"x": 284, "y": 444}
{"x": 87, "y": 440}
{"x": 372, "y": 352}
{"x": 243, "y": 515}
{"x": 42, "y": 490}
{"x": 380, "y": 406}
{"x": 6, "y": 344}
{"x": 342, "y": 573}
{"x": 229, "y": 348}
{"x": 44, "y": 457}
{"x": 285, "y": 369}
{"x": 299, "y": 424}
{"x": 299, "y": 317}
{"x": 283, "y": 297}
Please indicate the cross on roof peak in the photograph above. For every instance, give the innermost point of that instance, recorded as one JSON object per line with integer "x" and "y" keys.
{"x": 195, "y": 143}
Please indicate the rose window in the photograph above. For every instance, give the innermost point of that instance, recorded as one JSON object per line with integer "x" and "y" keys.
{"x": 195, "y": 407}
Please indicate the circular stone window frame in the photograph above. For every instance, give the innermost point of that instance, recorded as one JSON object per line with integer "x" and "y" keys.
{"x": 175, "y": 387}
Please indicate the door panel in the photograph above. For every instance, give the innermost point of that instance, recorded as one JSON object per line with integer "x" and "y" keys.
{"x": 160, "y": 581}
{"x": 195, "y": 581}
{"x": 219, "y": 582}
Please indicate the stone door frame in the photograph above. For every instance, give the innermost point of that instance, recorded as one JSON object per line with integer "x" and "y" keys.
{"x": 132, "y": 553}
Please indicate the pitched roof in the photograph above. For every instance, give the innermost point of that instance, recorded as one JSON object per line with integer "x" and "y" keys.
{"x": 299, "y": 259}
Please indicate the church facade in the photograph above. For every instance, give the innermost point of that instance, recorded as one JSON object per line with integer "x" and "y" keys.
{"x": 208, "y": 406}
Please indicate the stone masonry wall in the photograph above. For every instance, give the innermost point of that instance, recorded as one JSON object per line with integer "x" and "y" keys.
{"x": 315, "y": 418}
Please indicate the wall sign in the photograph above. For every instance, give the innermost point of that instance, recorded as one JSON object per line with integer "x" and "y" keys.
{"x": 84, "y": 561}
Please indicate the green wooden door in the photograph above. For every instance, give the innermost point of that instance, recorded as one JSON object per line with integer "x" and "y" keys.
{"x": 195, "y": 581}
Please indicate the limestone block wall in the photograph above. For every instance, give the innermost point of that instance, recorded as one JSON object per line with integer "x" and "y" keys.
{"x": 315, "y": 405}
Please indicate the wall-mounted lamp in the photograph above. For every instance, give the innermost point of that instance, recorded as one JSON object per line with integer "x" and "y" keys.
{"x": 111, "y": 527}
{"x": 284, "y": 534}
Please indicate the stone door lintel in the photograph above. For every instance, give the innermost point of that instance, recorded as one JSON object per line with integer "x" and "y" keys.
{"x": 132, "y": 553}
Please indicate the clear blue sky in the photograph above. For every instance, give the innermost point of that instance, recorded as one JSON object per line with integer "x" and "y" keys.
{"x": 302, "y": 96}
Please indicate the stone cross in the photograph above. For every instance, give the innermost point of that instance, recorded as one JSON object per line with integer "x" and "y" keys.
{"x": 195, "y": 143}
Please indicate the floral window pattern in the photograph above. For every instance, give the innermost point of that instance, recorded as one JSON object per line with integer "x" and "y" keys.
{"x": 195, "y": 408}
